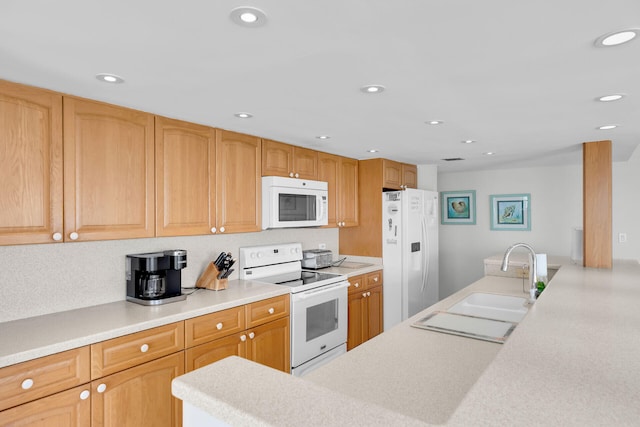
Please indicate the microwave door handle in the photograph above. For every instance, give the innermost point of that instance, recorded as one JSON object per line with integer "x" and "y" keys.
{"x": 319, "y": 208}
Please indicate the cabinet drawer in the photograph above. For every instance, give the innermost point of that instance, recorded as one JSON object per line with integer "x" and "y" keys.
{"x": 374, "y": 279}
{"x": 267, "y": 310}
{"x": 41, "y": 377}
{"x": 357, "y": 284}
{"x": 124, "y": 352}
{"x": 202, "y": 329}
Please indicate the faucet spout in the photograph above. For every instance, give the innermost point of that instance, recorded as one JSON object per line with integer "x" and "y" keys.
{"x": 533, "y": 271}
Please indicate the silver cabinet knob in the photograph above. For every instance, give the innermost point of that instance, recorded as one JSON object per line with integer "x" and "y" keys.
{"x": 101, "y": 388}
{"x": 252, "y": 335}
{"x": 375, "y": 279}
{"x": 84, "y": 394}
{"x": 271, "y": 310}
{"x": 144, "y": 348}
{"x": 364, "y": 295}
{"x": 222, "y": 229}
{"x": 27, "y": 384}
{"x": 243, "y": 338}
{"x": 290, "y": 174}
{"x": 74, "y": 236}
{"x": 219, "y": 326}
{"x": 297, "y": 175}
{"x": 213, "y": 230}
{"x": 57, "y": 237}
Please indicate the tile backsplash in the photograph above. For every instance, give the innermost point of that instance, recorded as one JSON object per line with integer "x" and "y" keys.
{"x": 42, "y": 279}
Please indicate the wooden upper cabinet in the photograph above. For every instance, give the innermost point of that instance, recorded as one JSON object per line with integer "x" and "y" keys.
{"x": 30, "y": 165}
{"x": 399, "y": 176}
{"x": 409, "y": 176}
{"x": 328, "y": 170}
{"x": 348, "y": 192}
{"x": 238, "y": 182}
{"x": 185, "y": 178}
{"x": 279, "y": 159}
{"x": 341, "y": 174}
{"x": 108, "y": 172}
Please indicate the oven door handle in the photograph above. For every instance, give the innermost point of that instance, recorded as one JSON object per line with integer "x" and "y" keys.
{"x": 321, "y": 290}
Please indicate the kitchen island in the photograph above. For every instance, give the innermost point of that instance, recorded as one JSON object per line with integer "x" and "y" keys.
{"x": 571, "y": 361}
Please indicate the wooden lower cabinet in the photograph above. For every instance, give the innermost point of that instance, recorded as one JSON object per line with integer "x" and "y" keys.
{"x": 139, "y": 396}
{"x": 267, "y": 344}
{"x": 365, "y": 318}
{"x": 70, "y": 408}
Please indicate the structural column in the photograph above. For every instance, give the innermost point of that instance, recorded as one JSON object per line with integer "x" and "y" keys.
{"x": 597, "y": 177}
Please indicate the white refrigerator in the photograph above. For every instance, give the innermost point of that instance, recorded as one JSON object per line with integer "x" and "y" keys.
{"x": 409, "y": 253}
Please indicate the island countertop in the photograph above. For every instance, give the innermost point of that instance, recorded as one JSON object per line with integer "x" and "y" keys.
{"x": 571, "y": 361}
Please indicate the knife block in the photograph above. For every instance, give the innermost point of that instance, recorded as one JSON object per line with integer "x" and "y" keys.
{"x": 209, "y": 279}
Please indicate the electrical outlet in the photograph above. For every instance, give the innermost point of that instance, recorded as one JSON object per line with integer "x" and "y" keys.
{"x": 322, "y": 246}
{"x": 622, "y": 237}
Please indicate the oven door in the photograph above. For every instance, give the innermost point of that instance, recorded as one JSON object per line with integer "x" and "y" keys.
{"x": 318, "y": 321}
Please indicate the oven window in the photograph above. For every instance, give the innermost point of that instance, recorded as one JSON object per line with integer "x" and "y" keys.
{"x": 296, "y": 207}
{"x": 322, "y": 319}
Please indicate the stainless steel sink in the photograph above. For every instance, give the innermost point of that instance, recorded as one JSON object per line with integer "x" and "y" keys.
{"x": 492, "y": 306}
{"x": 354, "y": 265}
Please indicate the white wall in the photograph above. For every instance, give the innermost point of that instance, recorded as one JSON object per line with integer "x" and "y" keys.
{"x": 556, "y": 208}
{"x": 41, "y": 279}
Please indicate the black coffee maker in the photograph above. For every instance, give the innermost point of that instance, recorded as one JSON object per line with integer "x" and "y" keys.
{"x": 155, "y": 278}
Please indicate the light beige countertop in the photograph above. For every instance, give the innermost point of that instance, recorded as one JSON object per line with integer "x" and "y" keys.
{"x": 573, "y": 360}
{"x": 39, "y": 336}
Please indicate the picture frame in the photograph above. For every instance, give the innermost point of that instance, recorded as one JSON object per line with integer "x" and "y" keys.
{"x": 458, "y": 207}
{"x": 511, "y": 212}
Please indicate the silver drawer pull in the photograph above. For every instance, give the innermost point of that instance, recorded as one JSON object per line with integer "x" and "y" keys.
{"x": 27, "y": 384}
{"x": 219, "y": 326}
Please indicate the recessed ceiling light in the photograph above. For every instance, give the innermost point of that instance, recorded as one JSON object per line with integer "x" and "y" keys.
{"x": 617, "y": 37}
{"x": 249, "y": 17}
{"x": 109, "y": 78}
{"x": 607, "y": 127}
{"x": 372, "y": 151}
{"x": 468, "y": 141}
{"x": 323, "y": 137}
{"x": 609, "y": 98}
{"x": 434, "y": 122}
{"x": 489, "y": 153}
{"x": 243, "y": 115}
{"x": 372, "y": 89}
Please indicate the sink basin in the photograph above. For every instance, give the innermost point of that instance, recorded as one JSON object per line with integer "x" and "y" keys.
{"x": 492, "y": 306}
{"x": 354, "y": 265}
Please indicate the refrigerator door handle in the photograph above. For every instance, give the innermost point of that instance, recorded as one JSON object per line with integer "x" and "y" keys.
{"x": 425, "y": 253}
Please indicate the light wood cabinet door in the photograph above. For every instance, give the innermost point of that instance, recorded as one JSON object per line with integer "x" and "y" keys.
{"x": 26, "y": 381}
{"x": 202, "y": 355}
{"x": 355, "y": 324}
{"x": 409, "y": 176}
{"x": 375, "y": 324}
{"x": 348, "y": 193}
{"x": 238, "y": 182}
{"x": 277, "y": 158}
{"x": 328, "y": 170}
{"x": 185, "y": 178}
{"x": 269, "y": 344}
{"x": 305, "y": 163}
{"x": 108, "y": 172}
{"x": 391, "y": 174}
{"x": 30, "y": 165}
{"x": 139, "y": 396}
{"x": 280, "y": 159}
{"x": 70, "y": 408}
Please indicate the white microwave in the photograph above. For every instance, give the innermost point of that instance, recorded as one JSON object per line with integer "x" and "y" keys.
{"x": 291, "y": 202}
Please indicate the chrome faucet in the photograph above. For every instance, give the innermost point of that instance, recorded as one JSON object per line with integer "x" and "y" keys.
{"x": 533, "y": 270}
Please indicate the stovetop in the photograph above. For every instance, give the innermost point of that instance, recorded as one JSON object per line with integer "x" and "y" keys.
{"x": 300, "y": 281}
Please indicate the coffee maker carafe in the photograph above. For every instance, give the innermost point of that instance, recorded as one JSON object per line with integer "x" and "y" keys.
{"x": 155, "y": 278}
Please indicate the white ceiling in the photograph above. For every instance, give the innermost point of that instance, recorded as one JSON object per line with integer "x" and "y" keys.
{"x": 519, "y": 77}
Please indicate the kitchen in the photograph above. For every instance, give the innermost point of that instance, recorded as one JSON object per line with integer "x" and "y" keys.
{"x": 43, "y": 278}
